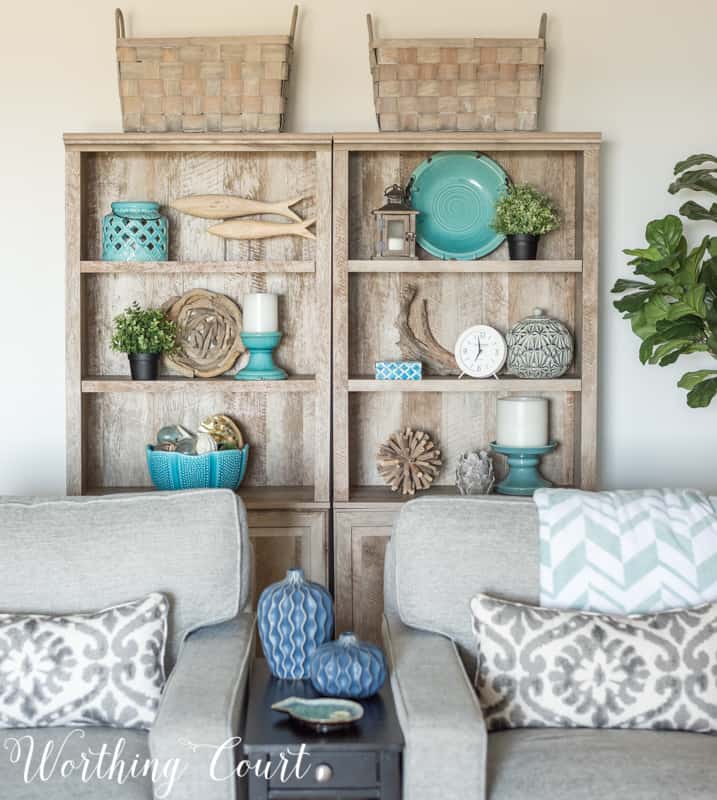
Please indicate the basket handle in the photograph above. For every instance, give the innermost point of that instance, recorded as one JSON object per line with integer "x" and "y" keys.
{"x": 369, "y": 25}
{"x": 292, "y": 26}
{"x": 119, "y": 24}
{"x": 543, "y": 28}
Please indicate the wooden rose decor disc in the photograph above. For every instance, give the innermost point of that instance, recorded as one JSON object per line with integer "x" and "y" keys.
{"x": 208, "y": 327}
{"x": 408, "y": 461}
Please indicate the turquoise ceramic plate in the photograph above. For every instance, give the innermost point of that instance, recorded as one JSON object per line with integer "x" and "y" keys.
{"x": 322, "y": 713}
{"x": 455, "y": 193}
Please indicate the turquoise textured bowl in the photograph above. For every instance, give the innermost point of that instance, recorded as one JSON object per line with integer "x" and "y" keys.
{"x": 455, "y": 194}
{"x": 222, "y": 469}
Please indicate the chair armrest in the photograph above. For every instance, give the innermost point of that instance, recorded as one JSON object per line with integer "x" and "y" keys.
{"x": 202, "y": 708}
{"x": 442, "y": 722}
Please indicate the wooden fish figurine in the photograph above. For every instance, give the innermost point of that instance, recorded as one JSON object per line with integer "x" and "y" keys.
{"x": 257, "y": 229}
{"x": 225, "y": 206}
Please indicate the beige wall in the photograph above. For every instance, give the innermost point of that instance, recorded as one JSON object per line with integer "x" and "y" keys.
{"x": 641, "y": 72}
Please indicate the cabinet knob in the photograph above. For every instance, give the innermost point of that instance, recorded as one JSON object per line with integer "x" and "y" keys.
{"x": 323, "y": 773}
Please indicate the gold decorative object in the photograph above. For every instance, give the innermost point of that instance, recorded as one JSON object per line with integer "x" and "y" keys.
{"x": 408, "y": 461}
{"x": 424, "y": 348}
{"x": 227, "y": 206}
{"x": 208, "y": 327}
{"x": 224, "y": 431}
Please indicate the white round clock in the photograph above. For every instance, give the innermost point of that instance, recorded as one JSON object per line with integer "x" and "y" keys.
{"x": 480, "y": 351}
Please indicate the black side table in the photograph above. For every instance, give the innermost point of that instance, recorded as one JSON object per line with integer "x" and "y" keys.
{"x": 359, "y": 762}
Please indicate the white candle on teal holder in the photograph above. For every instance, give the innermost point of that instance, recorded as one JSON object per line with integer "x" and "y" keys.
{"x": 260, "y": 313}
{"x": 522, "y": 421}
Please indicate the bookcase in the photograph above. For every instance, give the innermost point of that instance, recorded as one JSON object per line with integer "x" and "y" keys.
{"x": 111, "y": 418}
{"x": 459, "y": 414}
{"x": 312, "y": 486}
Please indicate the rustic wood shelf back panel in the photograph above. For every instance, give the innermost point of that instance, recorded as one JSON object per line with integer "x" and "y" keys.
{"x": 459, "y": 415}
{"x": 110, "y": 420}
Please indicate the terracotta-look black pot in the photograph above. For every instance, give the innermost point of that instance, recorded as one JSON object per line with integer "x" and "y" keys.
{"x": 523, "y": 246}
{"x": 144, "y": 366}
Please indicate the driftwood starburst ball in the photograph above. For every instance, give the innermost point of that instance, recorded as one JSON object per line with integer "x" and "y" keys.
{"x": 408, "y": 461}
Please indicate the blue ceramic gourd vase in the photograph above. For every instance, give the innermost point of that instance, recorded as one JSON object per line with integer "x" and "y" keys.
{"x": 295, "y": 616}
{"x": 347, "y": 668}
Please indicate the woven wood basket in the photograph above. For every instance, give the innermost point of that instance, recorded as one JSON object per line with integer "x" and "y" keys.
{"x": 228, "y": 83}
{"x": 457, "y": 84}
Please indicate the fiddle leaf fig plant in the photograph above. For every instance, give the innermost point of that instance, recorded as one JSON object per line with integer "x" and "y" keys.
{"x": 674, "y": 309}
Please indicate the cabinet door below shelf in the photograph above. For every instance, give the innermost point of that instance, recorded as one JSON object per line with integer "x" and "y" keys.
{"x": 286, "y": 539}
{"x": 360, "y": 539}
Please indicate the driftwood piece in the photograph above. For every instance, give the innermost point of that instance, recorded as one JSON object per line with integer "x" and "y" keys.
{"x": 408, "y": 461}
{"x": 425, "y": 349}
{"x": 227, "y": 206}
{"x": 208, "y": 327}
{"x": 259, "y": 229}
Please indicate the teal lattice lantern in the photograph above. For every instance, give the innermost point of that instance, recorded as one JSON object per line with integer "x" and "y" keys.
{"x": 134, "y": 231}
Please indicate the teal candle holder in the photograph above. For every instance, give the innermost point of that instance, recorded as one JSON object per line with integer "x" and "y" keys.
{"x": 261, "y": 366}
{"x": 523, "y": 477}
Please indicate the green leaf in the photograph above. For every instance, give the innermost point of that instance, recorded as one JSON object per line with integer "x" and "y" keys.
{"x": 670, "y": 350}
{"x": 682, "y": 351}
{"x": 690, "y": 379}
{"x": 622, "y": 285}
{"x": 693, "y": 161}
{"x": 644, "y": 321}
{"x": 648, "y": 267}
{"x": 693, "y": 210}
{"x": 648, "y": 253}
{"x": 713, "y": 246}
{"x": 632, "y": 302}
{"x": 702, "y": 394}
{"x": 691, "y": 263}
{"x": 698, "y": 180}
{"x": 684, "y": 326}
{"x": 708, "y": 276}
{"x": 664, "y": 234}
{"x": 646, "y": 349}
{"x": 694, "y": 297}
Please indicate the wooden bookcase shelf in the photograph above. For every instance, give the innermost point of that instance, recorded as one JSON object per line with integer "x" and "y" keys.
{"x": 459, "y": 414}
{"x": 463, "y": 385}
{"x": 437, "y": 267}
{"x": 110, "y": 418}
{"x": 173, "y": 383}
{"x": 193, "y": 267}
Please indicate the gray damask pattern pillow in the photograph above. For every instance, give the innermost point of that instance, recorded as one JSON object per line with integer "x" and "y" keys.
{"x": 539, "y": 667}
{"x": 100, "y": 668}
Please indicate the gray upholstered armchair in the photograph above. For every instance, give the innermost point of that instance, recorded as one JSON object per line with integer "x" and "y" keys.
{"x": 442, "y": 552}
{"x": 81, "y": 554}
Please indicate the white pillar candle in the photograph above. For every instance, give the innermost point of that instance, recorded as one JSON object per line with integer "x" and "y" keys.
{"x": 522, "y": 421}
{"x": 260, "y": 313}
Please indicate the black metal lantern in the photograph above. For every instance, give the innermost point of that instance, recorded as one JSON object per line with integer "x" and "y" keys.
{"x": 395, "y": 227}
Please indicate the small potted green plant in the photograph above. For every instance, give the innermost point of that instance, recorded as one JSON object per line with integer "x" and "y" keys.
{"x": 143, "y": 333}
{"x": 523, "y": 215}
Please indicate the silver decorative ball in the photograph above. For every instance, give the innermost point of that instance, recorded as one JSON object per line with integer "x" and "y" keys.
{"x": 539, "y": 347}
{"x": 474, "y": 473}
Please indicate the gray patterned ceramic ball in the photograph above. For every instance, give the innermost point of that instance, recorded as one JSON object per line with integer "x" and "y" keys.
{"x": 539, "y": 347}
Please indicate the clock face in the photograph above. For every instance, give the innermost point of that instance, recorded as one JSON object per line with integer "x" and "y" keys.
{"x": 481, "y": 351}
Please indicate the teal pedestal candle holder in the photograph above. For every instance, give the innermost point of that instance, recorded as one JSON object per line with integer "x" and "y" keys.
{"x": 523, "y": 477}
{"x": 261, "y": 366}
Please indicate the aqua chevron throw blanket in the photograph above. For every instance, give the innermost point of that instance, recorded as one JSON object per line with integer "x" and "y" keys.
{"x": 626, "y": 552}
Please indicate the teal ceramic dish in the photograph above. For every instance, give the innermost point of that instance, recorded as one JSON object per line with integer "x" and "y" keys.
{"x": 455, "y": 194}
{"x": 321, "y": 714}
{"x": 221, "y": 469}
